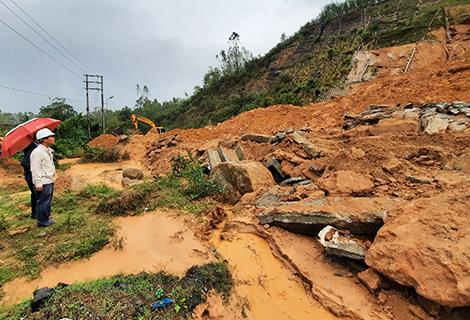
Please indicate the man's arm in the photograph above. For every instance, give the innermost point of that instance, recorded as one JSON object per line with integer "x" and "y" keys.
{"x": 35, "y": 159}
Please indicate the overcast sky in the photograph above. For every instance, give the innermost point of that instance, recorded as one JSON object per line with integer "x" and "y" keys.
{"x": 167, "y": 45}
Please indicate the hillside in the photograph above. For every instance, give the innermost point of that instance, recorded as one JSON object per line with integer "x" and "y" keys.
{"x": 315, "y": 62}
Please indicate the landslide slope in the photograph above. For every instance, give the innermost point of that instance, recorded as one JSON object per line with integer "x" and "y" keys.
{"x": 417, "y": 171}
{"x": 316, "y": 62}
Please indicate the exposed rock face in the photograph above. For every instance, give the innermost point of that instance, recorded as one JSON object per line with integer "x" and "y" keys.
{"x": 431, "y": 238}
{"x": 242, "y": 177}
{"x": 347, "y": 183}
{"x": 432, "y": 117}
{"x": 133, "y": 173}
{"x": 261, "y": 138}
{"x": 310, "y": 215}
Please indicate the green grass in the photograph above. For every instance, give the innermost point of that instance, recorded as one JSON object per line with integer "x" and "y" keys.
{"x": 12, "y": 188}
{"x": 84, "y": 222}
{"x": 131, "y": 296}
{"x": 78, "y": 233}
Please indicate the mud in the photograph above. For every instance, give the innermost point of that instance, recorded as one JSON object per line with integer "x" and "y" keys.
{"x": 152, "y": 242}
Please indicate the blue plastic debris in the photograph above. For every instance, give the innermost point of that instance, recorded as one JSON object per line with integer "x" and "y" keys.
{"x": 162, "y": 304}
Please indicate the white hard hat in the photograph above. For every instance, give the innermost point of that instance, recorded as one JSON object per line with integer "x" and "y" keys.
{"x": 44, "y": 133}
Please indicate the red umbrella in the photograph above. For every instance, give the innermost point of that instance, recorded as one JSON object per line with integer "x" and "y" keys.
{"x": 22, "y": 135}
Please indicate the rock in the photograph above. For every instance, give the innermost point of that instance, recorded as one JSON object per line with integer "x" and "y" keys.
{"x": 226, "y": 155}
{"x": 436, "y": 124}
{"x": 459, "y": 125}
{"x": 372, "y": 280}
{"x": 463, "y": 163}
{"x": 275, "y": 167}
{"x": 278, "y": 137}
{"x": 239, "y": 152}
{"x": 395, "y": 126}
{"x": 293, "y": 181}
{"x": 347, "y": 183}
{"x": 166, "y": 142}
{"x": 123, "y": 138}
{"x": 419, "y": 312}
{"x": 18, "y": 231}
{"x": 341, "y": 244}
{"x": 309, "y": 216}
{"x": 242, "y": 177}
{"x": 133, "y": 173}
{"x": 118, "y": 132}
{"x": 127, "y": 181}
{"x": 260, "y": 138}
{"x": 312, "y": 150}
{"x": 419, "y": 180}
{"x": 5, "y": 199}
{"x": 425, "y": 246}
{"x": 214, "y": 158}
{"x": 41, "y": 296}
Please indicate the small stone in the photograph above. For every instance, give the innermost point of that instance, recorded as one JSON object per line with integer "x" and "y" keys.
{"x": 338, "y": 273}
{"x": 372, "y": 280}
{"x": 382, "y": 297}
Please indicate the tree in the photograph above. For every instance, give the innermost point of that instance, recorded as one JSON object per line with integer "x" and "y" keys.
{"x": 57, "y": 109}
{"x": 235, "y": 58}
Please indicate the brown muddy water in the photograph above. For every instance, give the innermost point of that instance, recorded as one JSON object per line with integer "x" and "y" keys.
{"x": 161, "y": 241}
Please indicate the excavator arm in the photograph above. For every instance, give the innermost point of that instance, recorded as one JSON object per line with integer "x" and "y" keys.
{"x": 135, "y": 119}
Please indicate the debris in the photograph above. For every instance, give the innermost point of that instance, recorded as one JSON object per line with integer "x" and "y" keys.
{"x": 41, "y": 296}
{"x": 339, "y": 243}
{"x": 162, "y": 304}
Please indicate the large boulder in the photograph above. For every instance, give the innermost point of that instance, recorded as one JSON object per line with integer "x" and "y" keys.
{"x": 133, "y": 174}
{"x": 347, "y": 183}
{"x": 242, "y": 177}
{"x": 426, "y": 246}
{"x": 311, "y": 214}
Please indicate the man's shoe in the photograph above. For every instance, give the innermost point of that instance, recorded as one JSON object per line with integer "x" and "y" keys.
{"x": 47, "y": 224}
{"x": 34, "y": 216}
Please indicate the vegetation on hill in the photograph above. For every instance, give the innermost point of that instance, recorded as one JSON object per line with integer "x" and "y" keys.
{"x": 299, "y": 70}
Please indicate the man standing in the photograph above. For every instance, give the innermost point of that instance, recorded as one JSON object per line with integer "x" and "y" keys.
{"x": 43, "y": 171}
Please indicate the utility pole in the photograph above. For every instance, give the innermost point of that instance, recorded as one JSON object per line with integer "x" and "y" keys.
{"x": 102, "y": 103}
{"x": 93, "y": 85}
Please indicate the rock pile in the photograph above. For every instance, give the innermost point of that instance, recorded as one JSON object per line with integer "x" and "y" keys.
{"x": 429, "y": 117}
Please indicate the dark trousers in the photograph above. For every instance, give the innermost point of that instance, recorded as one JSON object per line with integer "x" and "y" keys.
{"x": 34, "y": 198}
{"x": 43, "y": 207}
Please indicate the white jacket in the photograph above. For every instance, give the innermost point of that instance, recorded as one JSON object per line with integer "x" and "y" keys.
{"x": 42, "y": 166}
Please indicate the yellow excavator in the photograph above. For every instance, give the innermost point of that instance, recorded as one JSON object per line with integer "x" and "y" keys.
{"x": 148, "y": 121}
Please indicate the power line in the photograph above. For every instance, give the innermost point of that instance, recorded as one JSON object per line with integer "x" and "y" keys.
{"x": 40, "y": 49}
{"x": 42, "y": 36}
{"x": 53, "y": 38}
{"x": 38, "y": 94}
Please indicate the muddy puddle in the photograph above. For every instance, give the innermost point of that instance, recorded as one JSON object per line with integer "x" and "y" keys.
{"x": 161, "y": 241}
{"x": 151, "y": 242}
{"x": 109, "y": 173}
